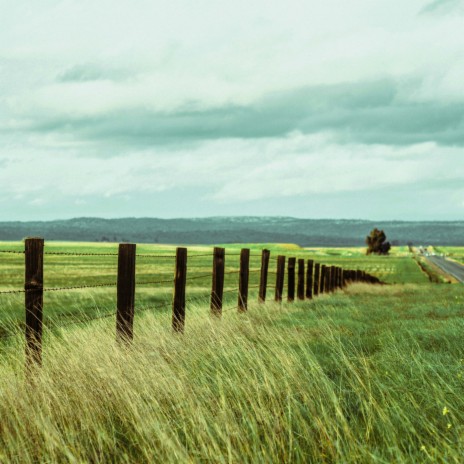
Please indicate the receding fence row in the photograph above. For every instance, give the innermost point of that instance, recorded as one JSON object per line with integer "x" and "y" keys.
{"x": 306, "y": 277}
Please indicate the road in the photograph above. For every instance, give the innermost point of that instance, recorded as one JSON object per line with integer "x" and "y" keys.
{"x": 450, "y": 267}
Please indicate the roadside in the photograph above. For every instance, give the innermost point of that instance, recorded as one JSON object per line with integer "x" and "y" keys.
{"x": 436, "y": 271}
{"x": 451, "y": 268}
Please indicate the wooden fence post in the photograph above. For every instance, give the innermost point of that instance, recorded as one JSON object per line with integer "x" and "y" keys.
{"x": 309, "y": 279}
{"x": 322, "y": 279}
{"x": 243, "y": 280}
{"x": 265, "y": 254}
{"x": 180, "y": 279}
{"x": 317, "y": 276}
{"x": 333, "y": 278}
{"x": 291, "y": 279}
{"x": 327, "y": 279}
{"x": 280, "y": 276}
{"x": 125, "y": 292}
{"x": 301, "y": 279}
{"x": 33, "y": 286}
{"x": 217, "y": 289}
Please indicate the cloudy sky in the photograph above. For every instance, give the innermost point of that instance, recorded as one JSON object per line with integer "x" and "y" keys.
{"x": 180, "y": 108}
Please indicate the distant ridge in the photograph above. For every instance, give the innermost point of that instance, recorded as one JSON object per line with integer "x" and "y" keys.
{"x": 213, "y": 230}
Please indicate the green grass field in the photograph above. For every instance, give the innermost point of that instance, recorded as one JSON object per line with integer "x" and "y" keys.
{"x": 64, "y": 271}
{"x": 456, "y": 253}
{"x": 369, "y": 374}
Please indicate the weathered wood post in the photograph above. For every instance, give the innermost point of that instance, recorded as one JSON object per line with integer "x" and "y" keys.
{"x": 309, "y": 279}
{"x": 33, "y": 286}
{"x": 322, "y": 279}
{"x": 217, "y": 289}
{"x": 291, "y": 279}
{"x": 327, "y": 280}
{"x": 265, "y": 254}
{"x": 125, "y": 292}
{"x": 301, "y": 279}
{"x": 349, "y": 278}
{"x": 243, "y": 279}
{"x": 317, "y": 279}
{"x": 333, "y": 278}
{"x": 180, "y": 279}
{"x": 280, "y": 276}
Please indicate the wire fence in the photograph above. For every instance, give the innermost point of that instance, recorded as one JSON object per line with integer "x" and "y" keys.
{"x": 216, "y": 295}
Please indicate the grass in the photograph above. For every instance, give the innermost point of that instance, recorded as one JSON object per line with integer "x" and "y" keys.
{"x": 370, "y": 374}
{"x": 456, "y": 253}
{"x": 64, "y": 270}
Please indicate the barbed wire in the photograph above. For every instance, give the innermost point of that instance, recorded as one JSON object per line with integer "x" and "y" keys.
{"x": 76, "y": 287}
{"x": 109, "y": 284}
{"x": 72, "y": 253}
{"x": 198, "y": 277}
{"x": 253, "y": 286}
{"x": 156, "y": 256}
{"x": 230, "y": 290}
{"x": 170, "y": 281}
{"x": 8, "y": 292}
{"x": 57, "y": 289}
{"x": 201, "y": 255}
{"x": 19, "y": 252}
{"x": 223, "y": 310}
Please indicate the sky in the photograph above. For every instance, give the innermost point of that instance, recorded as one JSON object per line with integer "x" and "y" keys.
{"x": 314, "y": 109}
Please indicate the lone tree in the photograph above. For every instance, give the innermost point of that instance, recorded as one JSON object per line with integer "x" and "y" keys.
{"x": 376, "y": 243}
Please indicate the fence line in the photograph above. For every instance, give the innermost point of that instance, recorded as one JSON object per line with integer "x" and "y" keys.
{"x": 312, "y": 279}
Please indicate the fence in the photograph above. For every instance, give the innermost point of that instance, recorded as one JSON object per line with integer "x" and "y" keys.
{"x": 312, "y": 279}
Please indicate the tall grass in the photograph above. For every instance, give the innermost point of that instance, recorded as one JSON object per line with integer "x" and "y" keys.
{"x": 374, "y": 374}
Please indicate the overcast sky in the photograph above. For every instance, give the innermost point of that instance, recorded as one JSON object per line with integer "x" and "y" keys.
{"x": 181, "y": 108}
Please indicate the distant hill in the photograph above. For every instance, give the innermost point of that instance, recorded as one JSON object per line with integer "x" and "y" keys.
{"x": 304, "y": 232}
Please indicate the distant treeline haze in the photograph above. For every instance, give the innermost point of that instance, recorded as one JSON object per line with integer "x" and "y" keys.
{"x": 304, "y": 232}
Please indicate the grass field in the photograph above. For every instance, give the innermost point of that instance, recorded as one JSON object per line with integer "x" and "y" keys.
{"x": 64, "y": 271}
{"x": 369, "y": 374}
{"x": 456, "y": 253}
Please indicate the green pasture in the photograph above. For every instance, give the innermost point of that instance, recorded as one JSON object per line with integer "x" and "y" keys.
{"x": 373, "y": 374}
{"x": 369, "y": 374}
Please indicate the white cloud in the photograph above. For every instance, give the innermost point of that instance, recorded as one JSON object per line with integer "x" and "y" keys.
{"x": 214, "y": 52}
{"x": 165, "y": 56}
{"x": 233, "y": 170}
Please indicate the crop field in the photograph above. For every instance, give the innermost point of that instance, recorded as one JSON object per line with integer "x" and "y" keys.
{"x": 371, "y": 373}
